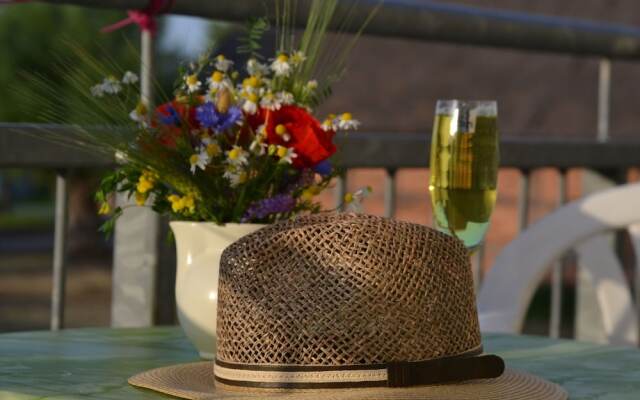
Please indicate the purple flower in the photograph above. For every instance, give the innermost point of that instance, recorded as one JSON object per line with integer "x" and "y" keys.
{"x": 210, "y": 117}
{"x": 277, "y": 204}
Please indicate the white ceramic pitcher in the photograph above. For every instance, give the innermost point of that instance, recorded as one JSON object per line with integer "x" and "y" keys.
{"x": 199, "y": 247}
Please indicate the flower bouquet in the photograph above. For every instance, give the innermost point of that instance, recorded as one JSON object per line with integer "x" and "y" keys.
{"x": 234, "y": 146}
{"x": 232, "y": 143}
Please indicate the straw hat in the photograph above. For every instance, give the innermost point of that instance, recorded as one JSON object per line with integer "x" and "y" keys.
{"x": 345, "y": 306}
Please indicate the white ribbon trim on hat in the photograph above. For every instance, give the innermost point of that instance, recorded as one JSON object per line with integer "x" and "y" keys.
{"x": 370, "y": 375}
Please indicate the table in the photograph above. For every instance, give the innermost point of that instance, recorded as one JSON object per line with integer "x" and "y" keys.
{"x": 95, "y": 363}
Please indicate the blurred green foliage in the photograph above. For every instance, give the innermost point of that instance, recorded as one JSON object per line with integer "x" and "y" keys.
{"x": 32, "y": 36}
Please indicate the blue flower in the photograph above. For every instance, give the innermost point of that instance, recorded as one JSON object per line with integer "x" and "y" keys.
{"x": 210, "y": 117}
{"x": 173, "y": 118}
{"x": 324, "y": 168}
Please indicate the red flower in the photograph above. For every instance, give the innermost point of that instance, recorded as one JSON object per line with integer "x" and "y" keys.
{"x": 171, "y": 119}
{"x": 311, "y": 143}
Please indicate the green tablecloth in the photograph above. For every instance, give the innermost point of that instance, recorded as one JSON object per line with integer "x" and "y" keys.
{"x": 95, "y": 363}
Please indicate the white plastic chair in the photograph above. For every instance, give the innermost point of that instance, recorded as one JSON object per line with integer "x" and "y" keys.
{"x": 510, "y": 284}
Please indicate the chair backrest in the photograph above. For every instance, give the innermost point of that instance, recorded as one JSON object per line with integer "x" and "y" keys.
{"x": 510, "y": 284}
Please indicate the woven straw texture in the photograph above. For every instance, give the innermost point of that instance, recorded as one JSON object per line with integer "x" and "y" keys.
{"x": 196, "y": 381}
{"x": 344, "y": 289}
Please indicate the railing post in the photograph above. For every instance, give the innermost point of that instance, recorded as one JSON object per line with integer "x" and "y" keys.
{"x": 523, "y": 204}
{"x": 557, "y": 271}
{"x": 604, "y": 99}
{"x": 477, "y": 263}
{"x": 340, "y": 190}
{"x": 390, "y": 189}
{"x": 135, "y": 259}
{"x": 588, "y": 318}
{"x": 59, "y": 253}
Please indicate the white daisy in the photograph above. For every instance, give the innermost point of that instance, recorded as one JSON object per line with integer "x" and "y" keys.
{"x": 285, "y": 97}
{"x": 298, "y": 58}
{"x": 218, "y": 81}
{"x": 286, "y": 154}
{"x": 251, "y": 84}
{"x": 140, "y": 114}
{"x": 237, "y": 156}
{"x": 210, "y": 97}
{"x": 222, "y": 63}
{"x": 353, "y": 201}
{"x": 235, "y": 175}
{"x": 346, "y": 122}
{"x": 270, "y": 102}
{"x": 207, "y": 140}
{"x": 330, "y": 123}
{"x": 256, "y": 68}
{"x": 258, "y": 146}
{"x": 97, "y": 91}
{"x": 129, "y": 78}
{"x": 199, "y": 160}
{"x": 111, "y": 85}
{"x": 312, "y": 85}
{"x": 192, "y": 83}
{"x": 281, "y": 65}
{"x": 250, "y": 107}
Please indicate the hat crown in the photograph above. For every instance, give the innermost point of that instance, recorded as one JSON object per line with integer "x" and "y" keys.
{"x": 345, "y": 289}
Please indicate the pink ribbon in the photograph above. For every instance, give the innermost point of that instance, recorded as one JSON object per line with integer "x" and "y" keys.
{"x": 145, "y": 18}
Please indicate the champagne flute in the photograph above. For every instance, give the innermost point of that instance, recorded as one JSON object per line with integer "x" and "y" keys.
{"x": 464, "y": 168}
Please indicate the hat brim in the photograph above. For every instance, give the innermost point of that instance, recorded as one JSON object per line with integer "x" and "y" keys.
{"x": 195, "y": 381}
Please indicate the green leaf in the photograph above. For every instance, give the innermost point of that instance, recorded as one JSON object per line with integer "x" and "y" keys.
{"x": 254, "y": 31}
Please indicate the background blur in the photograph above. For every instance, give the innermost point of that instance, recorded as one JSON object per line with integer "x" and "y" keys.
{"x": 391, "y": 86}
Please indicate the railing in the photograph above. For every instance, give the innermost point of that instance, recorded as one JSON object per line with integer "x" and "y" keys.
{"x": 427, "y": 21}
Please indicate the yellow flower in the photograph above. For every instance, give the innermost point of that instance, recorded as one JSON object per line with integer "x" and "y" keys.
{"x": 235, "y": 153}
{"x": 213, "y": 149}
{"x": 188, "y": 202}
{"x": 346, "y": 116}
{"x": 282, "y": 58}
{"x": 281, "y": 151}
{"x": 105, "y": 209}
{"x": 252, "y": 97}
{"x": 141, "y": 109}
{"x": 252, "y": 82}
{"x": 272, "y": 149}
{"x": 310, "y": 192}
{"x": 145, "y": 182}
{"x": 176, "y": 203}
{"x": 348, "y": 198}
{"x": 217, "y": 76}
{"x": 185, "y": 204}
{"x": 141, "y": 198}
{"x": 281, "y": 130}
{"x": 192, "y": 79}
{"x": 193, "y": 160}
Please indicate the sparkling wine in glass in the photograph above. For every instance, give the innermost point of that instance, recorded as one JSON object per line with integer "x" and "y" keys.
{"x": 464, "y": 168}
